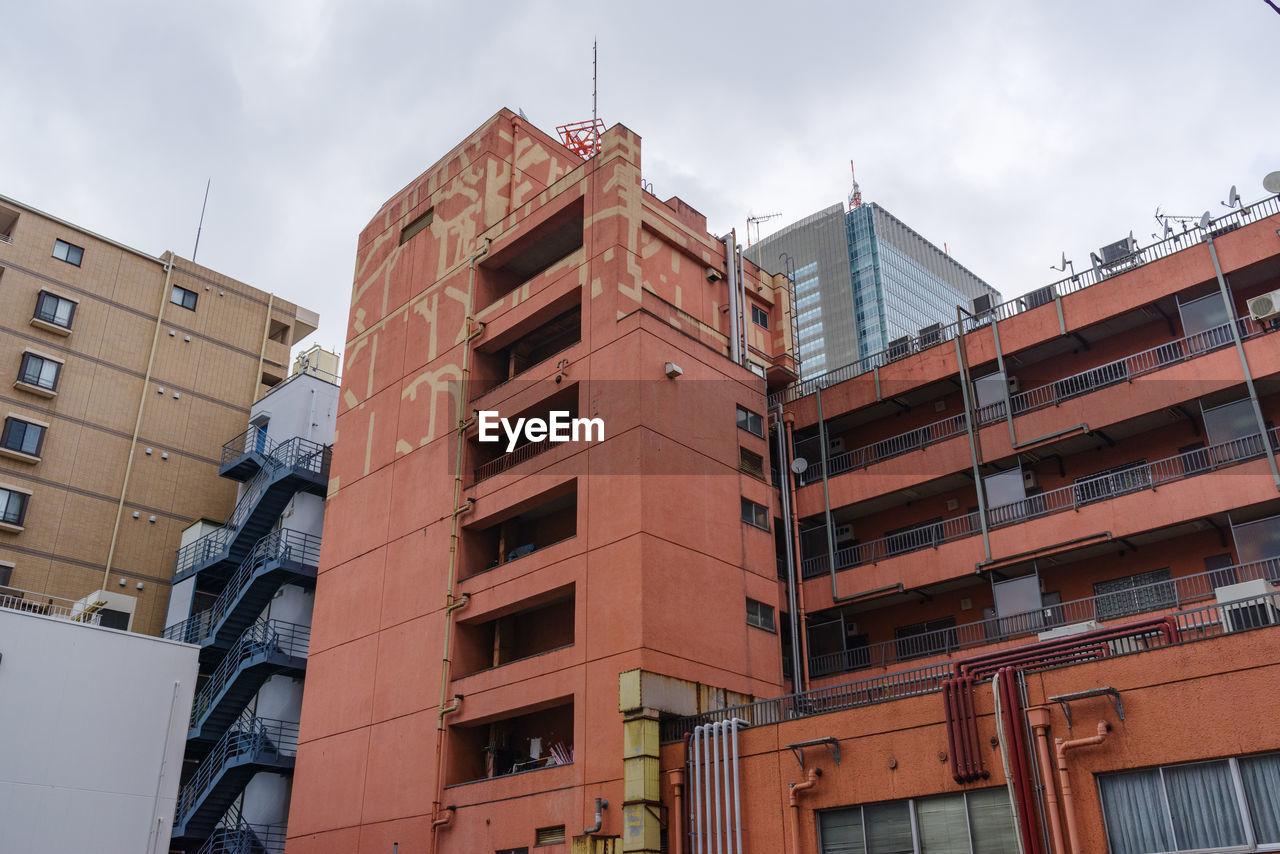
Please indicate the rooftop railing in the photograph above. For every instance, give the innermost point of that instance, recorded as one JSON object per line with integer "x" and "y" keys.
{"x": 1082, "y": 492}
{"x": 1041, "y": 397}
{"x": 1041, "y": 296}
{"x": 1203, "y": 623}
{"x": 1172, "y": 593}
{"x": 31, "y": 602}
{"x": 255, "y": 439}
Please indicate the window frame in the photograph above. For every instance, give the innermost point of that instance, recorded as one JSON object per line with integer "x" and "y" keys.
{"x": 67, "y": 253}
{"x": 912, "y": 806}
{"x": 745, "y": 422}
{"x": 758, "y": 620}
{"x": 756, "y": 314}
{"x": 18, "y": 522}
{"x": 750, "y": 463}
{"x": 49, "y": 321}
{"x": 755, "y": 510}
{"x": 178, "y": 296}
{"x": 6, "y": 431}
{"x": 27, "y": 356}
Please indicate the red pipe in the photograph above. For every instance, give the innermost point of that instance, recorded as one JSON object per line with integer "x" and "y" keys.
{"x": 1064, "y": 780}
{"x": 796, "y": 789}
{"x": 1025, "y": 807}
{"x": 976, "y": 767}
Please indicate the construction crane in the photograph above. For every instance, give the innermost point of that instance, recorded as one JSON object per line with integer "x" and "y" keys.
{"x": 855, "y": 195}
{"x": 756, "y": 220}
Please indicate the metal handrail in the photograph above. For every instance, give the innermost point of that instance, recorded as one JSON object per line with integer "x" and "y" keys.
{"x": 1118, "y": 371}
{"x": 284, "y": 544}
{"x": 500, "y": 464}
{"x": 1071, "y": 497}
{"x": 16, "y": 599}
{"x": 1203, "y": 623}
{"x": 237, "y": 836}
{"x": 263, "y": 638}
{"x": 1173, "y": 593}
{"x": 254, "y": 440}
{"x": 248, "y": 736}
{"x": 298, "y": 455}
{"x": 1161, "y": 249}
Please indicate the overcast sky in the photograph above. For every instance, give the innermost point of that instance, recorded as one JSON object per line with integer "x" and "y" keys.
{"x": 1010, "y": 131}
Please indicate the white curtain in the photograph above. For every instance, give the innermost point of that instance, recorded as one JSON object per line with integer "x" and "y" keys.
{"x": 1133, "y": 807}
{"x": 1261, "y": 776}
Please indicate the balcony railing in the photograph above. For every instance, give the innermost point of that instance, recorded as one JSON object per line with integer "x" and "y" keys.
{"x": 512, "y": 458}
{"x": 249, "y": 737}
{"x": 1173, "y": 593}
{"x": 1203, "y": 623}
{"x": 255, "y": 439}
{"x": 45, "y": 605}
{"x": 263, "y": 638}
{"x": 1081, "y": 493}
{"x": 1041, "y": 397}
{"x": 1041, "y": 296}
{"x": 234, "y": 835}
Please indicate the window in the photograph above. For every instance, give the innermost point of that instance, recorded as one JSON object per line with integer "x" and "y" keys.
{"x": 22, "y": 437}
{"x": 183, "y": 297}
{"x": 751, "y": 463}
{"x": 54, "y": 310}
{"x": 1193, "y": 807}
{"x": 418, "y": 225}
{"x": 39, "y": 372}
{"x": 1230, "y": 421}
{"x": 549, "y": 835}
{"x": 6, "y": 573}
{"x": 69, "y": 252}
{"x": 760, "y": 615}
{"x": 976, "y": 822}
{"x": 749, "y": 421}
{"x": 755, "y": 514}
{"x": 759, "y": 316}
{"x": 13, "y": 505}
{"x": 1134, "y": 594}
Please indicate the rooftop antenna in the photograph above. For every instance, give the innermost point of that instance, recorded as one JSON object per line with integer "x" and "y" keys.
{"x": 583, "y": 138}
{"x": 1065, "y": 265}
{"x": 855, "y": 195}
{"x": 201, "y": 225}
{"x": 756, "y": 220}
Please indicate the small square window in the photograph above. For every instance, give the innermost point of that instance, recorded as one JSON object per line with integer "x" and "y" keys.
{"x": 69, "y": 252}
{"x": 759, "y": 316}
{"x": 417, "y": 226}
{"x": 751, "y": 422}
{"x": 760, "y": 615}
{"x": 39, "y": 372}
{"x": 22, "y": 437}
{"x": 54, "y": 310}
{"x": 13, "y": 506}
{"x": 751, "y": 463}
{"x": 183, "y": 297}
{"x": 755, "y": 514}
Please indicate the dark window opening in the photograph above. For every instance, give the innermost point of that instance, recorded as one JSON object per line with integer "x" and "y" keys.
{"x": 183, "y": 297}
{"x": 755, "y": 514}
{"x": 537, "y": 628}
{"x": 69, "y": 252}
{"x": 419, "y": 224}
{"x": 551, "y": 518}
{"x": 751, "y": 463}
{"x": 751, "y": 422}
{"x": 759, "y": 316}
{"x": 495, "y": 367}
{"x": 8, "y": 219}
{"x": 553, "y": 240}
{"x": 536, "y": 739}
{"x": 39, "y": 372}
{"x": 54, "y": 310}
{"x": 22, "y": 436}
{"x": 13, "y": 507}
{"x": 279, "y": 332}
{"x": 760, "y": 615}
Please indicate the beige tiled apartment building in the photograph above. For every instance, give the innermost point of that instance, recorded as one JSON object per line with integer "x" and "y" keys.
{"x": 121, "y": 376}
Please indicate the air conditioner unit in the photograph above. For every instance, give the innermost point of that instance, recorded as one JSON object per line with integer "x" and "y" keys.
{"x": 929, "y": 336}
{"x": 1013, "y": 385}
{"x": 1039, "y": 297}
{"x": 980, "y": 305}
{"x": 835, "y": 445}
{"x": 1118, "y": 251}
{"x": 898, "y": 348}
{"x": 1029, "y": 479}
{"x": 844, "y": 533}
{"x": 1265, "y": 306}
{"x": 1248, "y": 605}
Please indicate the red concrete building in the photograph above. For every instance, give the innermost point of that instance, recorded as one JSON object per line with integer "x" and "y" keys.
{"x": 1030, "y": 559}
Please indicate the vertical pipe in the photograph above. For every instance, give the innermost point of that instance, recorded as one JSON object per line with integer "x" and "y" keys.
{"x": 794, "y": 534}
{"x": 962, "y": 358}
{"x": 695, "y": 747}
{"x": 719, "y": 804}
{"x": 793, "y": 577}
{"x": 1040, "y": 725}
{"x": 1230, "y": 307}
{"x": 737, "y": 803}
{"x": 742, "y": 300}
{"x": 732, "y": 274}
{"x": 1002, "y": 735}
{"x": 826, "y": 500}
{"x": 1064, "y": 781}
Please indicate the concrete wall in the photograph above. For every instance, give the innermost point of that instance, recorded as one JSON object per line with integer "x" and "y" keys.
{"x": 94, "y": 722}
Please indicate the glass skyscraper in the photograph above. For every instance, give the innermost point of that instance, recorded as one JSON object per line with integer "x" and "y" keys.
{"x": 863, "y": 280}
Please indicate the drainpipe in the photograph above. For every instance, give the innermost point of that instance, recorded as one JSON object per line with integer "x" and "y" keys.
{"x": 1039, "y": 720}
{"x": 1073, "y": 832}
{"x": 444, "y": 820}
{"x": 137, "y": 423}
{"x": 730, "y": 242}
{"x": 742, "y": 298}
{"x": 793, "y": 577}
{"x": 975, "y": 451}
{"x": 1229, "y": 305}
{"x": 677, "y": 796}
{"x": 794, "y": 803}
{"x": 601, "y": 806}
{"x": 793, "y": 533}
{"x": 450, "y": 604}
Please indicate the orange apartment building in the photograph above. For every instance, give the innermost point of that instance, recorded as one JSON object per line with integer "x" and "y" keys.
{"x": 1030, "y": 559}
{"x": 124, "y": 373}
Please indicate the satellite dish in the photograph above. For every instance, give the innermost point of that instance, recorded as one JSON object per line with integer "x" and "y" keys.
{"x": 1271, "y": 183}
{"x": 1205, "y": 219}
{"x": 1233, "y": 198}
{"x": 799, "y": 465}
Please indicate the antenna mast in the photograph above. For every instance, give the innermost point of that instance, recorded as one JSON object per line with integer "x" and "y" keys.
{"x": 855, "y": 197}
{"x": 201, "y": 225}
{"x": 583, "y": 138}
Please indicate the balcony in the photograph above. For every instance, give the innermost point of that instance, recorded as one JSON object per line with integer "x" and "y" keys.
{"x": 543, "y": 340}
{"x": 1041, "y": 397}
{"x": 245, "y": 455}
{"x": 531, "y": 741}
{"x": 552, "y": 518}
{"x": 1172, "y": 594}
{"x": 1161, "y": 249}
{"x": 490, "y": 457}
{"x": 1072, "y": 497}
{"x": 540, "y": 626}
